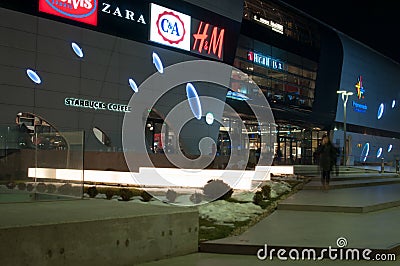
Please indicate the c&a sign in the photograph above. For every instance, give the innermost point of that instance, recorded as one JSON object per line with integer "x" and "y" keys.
{"x": 79, "y": 10}
{"x": 170, "y": 27}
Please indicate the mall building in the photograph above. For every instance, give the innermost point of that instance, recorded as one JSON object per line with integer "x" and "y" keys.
{"x": 69, "y": 69}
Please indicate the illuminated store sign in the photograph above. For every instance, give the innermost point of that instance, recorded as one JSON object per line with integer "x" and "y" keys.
{"x": 122, "y": 13}
{"x": 265, "y": 61}
{"x": 97, "y": 105}
{"x": 359, "y": 107}
{"x": 172, "y": 28}
{"x": 169, "y": 27}
{"x": 86, "y": 11}
{"x": 207, "y": 39}
{"x": 79, "y": 10}
{"x": 274, "y": 26}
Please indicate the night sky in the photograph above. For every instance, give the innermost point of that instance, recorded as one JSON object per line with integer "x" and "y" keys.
{"x": 374, "y": 23}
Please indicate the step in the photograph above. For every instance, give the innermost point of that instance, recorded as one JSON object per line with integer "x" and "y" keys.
{"x": 335, "y": 208}
{"x": 341, "y": 171}
{"x": 354, "y": 183}
{"x": 344, "y": 177}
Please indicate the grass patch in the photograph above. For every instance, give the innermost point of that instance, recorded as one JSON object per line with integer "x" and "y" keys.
{"x": 210, "y": 230}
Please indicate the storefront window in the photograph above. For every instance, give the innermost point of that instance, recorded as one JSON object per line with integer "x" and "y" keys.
{"x": 292, "y": 84}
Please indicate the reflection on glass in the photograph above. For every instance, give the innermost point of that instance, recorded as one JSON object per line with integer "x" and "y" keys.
{"x": 34, "y": 131}
{"x": 101, "y": 136}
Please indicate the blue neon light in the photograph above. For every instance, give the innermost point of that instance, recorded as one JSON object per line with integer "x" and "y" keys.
{"x": 133, "y": 85}
{"x": 381, "y": 110}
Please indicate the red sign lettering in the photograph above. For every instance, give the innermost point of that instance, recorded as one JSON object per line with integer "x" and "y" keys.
{"x": 208, "y": 39}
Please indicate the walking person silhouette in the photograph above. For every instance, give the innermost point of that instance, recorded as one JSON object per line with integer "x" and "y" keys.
{"x": 327, "y": 156}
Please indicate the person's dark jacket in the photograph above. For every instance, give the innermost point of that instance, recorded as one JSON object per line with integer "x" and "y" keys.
{"x": 327, "y": 156}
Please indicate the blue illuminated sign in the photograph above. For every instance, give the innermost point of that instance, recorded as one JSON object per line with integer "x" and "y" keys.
{"x": 265, "y": 61}
{"x": 358, "y": 107}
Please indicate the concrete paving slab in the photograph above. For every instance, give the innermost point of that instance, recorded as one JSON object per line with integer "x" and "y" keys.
{"x": 374, "y": 230}
{"x": 54, "y": 212}
{"x": 359, "y": 199}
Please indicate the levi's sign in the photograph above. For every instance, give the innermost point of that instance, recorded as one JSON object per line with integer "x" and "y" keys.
{"x": 172, "y": 28}
{"x": 79, "y": 10}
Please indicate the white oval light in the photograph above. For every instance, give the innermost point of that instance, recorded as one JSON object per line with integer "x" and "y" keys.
{"x": 78, "y": 50}
{"x": 390, "y": 147}
{"x": 209, "y": 118}
{"x": 393, "y": 103}
{"x": 33, "y": 76}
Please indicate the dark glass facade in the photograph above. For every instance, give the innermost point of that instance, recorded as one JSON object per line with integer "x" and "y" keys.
{"x": 297, "y": 63}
